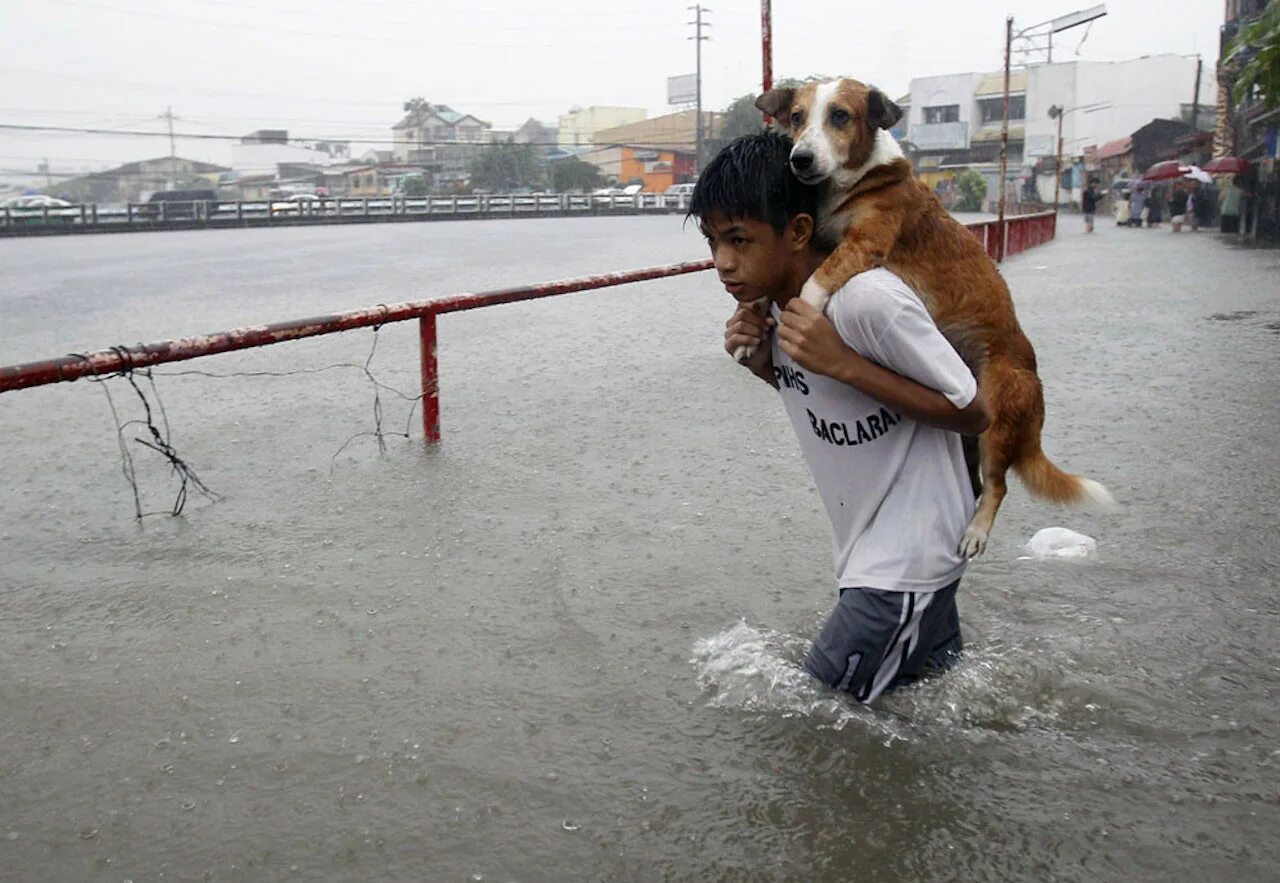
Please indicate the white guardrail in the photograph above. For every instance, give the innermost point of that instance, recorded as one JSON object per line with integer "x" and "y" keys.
{"x": 226, "y": 212}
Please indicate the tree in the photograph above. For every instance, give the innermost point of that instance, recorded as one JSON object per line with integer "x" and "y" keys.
{"x": 1256, "y": 54}
{"x": 416, "y": 105}
{"x": 572, "y": 174}
{"x": 416, "y": 185}
{"x": 972, "y": 188}
{"x": 506, "y": 166}
{"x": 740, "y": 118}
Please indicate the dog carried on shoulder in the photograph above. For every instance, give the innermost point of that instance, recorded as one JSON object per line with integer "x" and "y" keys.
{"x": 874, "y": 213}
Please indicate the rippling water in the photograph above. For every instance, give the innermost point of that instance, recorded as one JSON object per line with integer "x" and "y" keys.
{"x": 564, "y": 645}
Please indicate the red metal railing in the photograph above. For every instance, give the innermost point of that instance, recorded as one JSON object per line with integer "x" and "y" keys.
{"x": 1021, "y": 232}
{"x": 123, "y": 358}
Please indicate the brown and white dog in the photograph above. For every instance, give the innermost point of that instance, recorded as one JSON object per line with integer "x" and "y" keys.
{"x": 876, "y": 214}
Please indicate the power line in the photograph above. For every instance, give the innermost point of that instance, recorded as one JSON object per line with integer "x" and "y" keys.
{"x": 656, "y": 139}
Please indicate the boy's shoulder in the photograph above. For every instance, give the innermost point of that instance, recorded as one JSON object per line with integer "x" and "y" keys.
{"x": 875, "y": 296}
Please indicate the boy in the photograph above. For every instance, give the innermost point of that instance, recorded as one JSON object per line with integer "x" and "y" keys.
{"x": 876, "y": 396}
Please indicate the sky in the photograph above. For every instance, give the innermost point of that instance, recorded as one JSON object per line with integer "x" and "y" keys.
{"x": 343, "y": 68}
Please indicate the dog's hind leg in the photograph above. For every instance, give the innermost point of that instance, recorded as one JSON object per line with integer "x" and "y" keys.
{"x": 996, "y": 445}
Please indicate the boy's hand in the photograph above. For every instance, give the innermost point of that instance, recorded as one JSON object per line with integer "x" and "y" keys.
{"x": 808, "y": 337}
{"x": 745, "y": 327}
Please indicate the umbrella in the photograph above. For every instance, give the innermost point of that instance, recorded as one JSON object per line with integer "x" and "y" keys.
{"x": 1166, "y": 171}
{"x": 1199, "y": 174}
{"x": 1227, "y": 165}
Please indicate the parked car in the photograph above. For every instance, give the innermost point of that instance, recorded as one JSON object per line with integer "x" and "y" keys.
{"x": 680, "y": 190}
{"x": 180, "y": 204}
{"x": 34, "y": 208}
{"x": 35, "y": 200}
{"x": 297, "y": 203}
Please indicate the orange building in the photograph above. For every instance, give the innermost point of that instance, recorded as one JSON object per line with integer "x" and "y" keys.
{"x": 658, "y": 152}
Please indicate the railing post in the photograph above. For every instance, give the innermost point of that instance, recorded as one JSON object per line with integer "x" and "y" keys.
{"x": 430, "y": 379}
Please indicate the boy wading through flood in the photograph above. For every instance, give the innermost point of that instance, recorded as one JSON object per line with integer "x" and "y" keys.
{"x": 877, "y": 398}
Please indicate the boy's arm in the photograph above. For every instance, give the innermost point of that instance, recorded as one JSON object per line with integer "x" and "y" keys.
{"x": 807, "y": 336}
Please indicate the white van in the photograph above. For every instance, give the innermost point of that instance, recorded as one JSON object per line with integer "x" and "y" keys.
{"x": 679, "y": 190}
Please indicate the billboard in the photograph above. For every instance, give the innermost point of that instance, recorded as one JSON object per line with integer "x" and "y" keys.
{"x": 682, "y": 89}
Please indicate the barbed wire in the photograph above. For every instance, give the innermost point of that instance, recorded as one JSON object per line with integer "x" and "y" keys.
{"x": 160, "y": 436}
{"x": 159, "y": 441}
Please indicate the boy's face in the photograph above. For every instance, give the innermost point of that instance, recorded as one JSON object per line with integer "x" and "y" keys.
{"x": 752, "y": 259}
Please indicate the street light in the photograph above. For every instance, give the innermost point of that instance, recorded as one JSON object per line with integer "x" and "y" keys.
{"x": 1061, "y": 23}
{"x": 1057, "y": 112}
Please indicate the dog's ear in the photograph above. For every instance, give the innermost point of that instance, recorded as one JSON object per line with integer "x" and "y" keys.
{"x": 881, "y": 112}
{"x": 776, "y": 103}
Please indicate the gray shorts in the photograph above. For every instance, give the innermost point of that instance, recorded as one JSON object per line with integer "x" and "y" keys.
{"x": 875, "y": 641}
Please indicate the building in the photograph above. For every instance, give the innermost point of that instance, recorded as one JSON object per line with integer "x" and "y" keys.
{"x": 656, "y": 152}
{"x": 955, "y": 121}
{"x": 136, "y": 181}
{"x": 1248, "y": 129}
{"x": 537, "y": 133}
{"x": 264, "y": 150}
{"x": 580, "y": 125}
{"x": 441, "y": 140}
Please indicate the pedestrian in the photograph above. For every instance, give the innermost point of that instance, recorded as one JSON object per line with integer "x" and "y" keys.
{"x": 1229, "y": 206}
{"x": 1155, "y": 206}
{"x": 1138, "y": 204}
{"x": 1121, "y": 209}
{"x": 1089, "y": 203}
{"x": 1177, "y": 207}
{"x": 1204, "y": 199}
{"x": 877, "y": 372}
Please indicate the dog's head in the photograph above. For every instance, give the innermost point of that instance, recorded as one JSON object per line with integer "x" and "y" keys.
{"x": 835, "y": 125}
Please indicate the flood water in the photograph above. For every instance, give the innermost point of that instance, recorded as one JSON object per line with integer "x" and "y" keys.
{"x": 563, "y": 644}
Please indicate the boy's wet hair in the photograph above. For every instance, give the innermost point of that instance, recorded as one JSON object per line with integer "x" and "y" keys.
{"x": 751, "y": 178}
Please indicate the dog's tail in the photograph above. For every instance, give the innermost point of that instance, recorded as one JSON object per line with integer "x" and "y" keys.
{"x": 1046, "y": 480}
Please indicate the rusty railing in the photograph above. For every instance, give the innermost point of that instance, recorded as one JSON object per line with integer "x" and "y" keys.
{"x": 1020, "y": 233}
{"x": 124, "y": 358}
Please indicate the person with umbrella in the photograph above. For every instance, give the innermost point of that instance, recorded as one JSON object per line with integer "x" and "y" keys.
{"x": 1229, "y": 206}
{"x": 1178, "y": 206}
{"x": 1155, "y": 206}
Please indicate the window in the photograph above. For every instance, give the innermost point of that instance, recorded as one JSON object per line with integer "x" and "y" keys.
{"x": 944, "y": 113}
{"x": 992, "y": 109}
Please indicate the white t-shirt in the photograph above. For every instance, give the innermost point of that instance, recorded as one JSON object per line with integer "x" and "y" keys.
{"x": 897, "y": 491}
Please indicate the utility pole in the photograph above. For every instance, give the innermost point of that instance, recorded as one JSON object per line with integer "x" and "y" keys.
{"x": 766, "y": 44}
{"x": 1004, "y": 138}
{"x": 173, "y": 153}
{"x": 1057, "y": 111}
{"x": 1195, "y": 101}
{"x": 697, "y": 39}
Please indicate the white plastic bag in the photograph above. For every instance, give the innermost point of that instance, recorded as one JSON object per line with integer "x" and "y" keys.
{"x": 1059, "y": 542}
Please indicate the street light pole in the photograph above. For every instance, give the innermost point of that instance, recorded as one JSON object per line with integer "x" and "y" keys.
{"x": 1056, "y": 111}
{"x": 1004, "y": 139}
{"x": 1062, "y": 23}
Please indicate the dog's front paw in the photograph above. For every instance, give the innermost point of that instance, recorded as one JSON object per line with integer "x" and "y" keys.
{"x": 973, "y": 543}
{"x": 743, "y": 354}
{"x": 814, "y": 294}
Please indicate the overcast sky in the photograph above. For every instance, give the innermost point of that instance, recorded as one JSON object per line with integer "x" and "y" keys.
{"x": 342, "y": 68}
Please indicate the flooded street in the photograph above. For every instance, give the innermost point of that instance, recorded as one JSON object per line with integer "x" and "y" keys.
{"x": 564, "y": 644}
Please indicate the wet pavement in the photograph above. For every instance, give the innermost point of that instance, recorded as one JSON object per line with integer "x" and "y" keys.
{"x": 563, "y": 644}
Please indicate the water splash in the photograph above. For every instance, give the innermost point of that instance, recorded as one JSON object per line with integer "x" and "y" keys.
{"x": 995, "y": 688}
{"x": 759, "y": 670}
